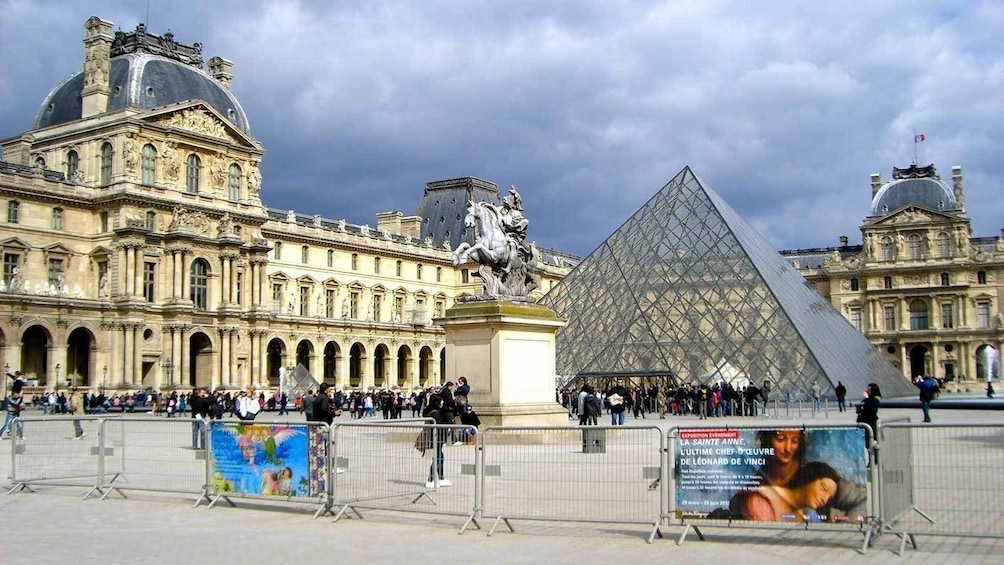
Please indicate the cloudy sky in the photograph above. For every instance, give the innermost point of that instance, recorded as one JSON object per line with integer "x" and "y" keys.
{"x": 784, "y": 107}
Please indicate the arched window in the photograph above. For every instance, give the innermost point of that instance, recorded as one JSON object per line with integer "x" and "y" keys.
{"x": 106, "y": 164}
{"x": 945, "y": 281}
{"x": 194, "y": 172}
{"x": 40, "y": 163}
{"x": 918, "y": 315}
{"x": 72, "y": 164}
{"x": 887, "y": 251}
{"x": 234, "y": 183}
{"x": 149, "y": 164}
{"x": 944, "y": 245}
{"x": 200, "y": 283}
{"x": 913, "y": 248}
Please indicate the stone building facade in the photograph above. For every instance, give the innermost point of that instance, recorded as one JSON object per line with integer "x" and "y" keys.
{"x": 923, "y": 290}
{"x": 138, "y": 253}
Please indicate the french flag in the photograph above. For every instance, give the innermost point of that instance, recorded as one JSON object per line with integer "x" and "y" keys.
{"x": 918, "y": 138}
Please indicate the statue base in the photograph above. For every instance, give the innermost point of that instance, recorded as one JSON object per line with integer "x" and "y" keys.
{"x": 506, "y": 351}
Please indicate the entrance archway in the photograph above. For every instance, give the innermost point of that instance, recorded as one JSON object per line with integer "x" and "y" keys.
{"x": 380, "y": 377}
{"x": 200, "y": 361}
{"x": 304, "y": 351}
{"x": 918, "y": 360}
{"x": 356, "y": 355}
{"x": 405, "y": 376}
{"x": 35, "y": 344}
{"x": 78, "y": 358}
{"x": 276, "y": 353}
{"x": 425, "y": 366}
{"x": 988, "y": 363}
{"x": 331, "y": 355}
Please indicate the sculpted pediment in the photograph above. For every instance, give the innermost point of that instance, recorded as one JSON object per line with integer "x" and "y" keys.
{"x": 198, "y": 118}
{"x": 912, "y": 215}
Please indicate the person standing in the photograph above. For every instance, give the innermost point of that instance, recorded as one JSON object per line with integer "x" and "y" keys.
{"x": 928, "y": 389}
{"x": 616, "y": 397}
{"x": 309, "y": 401}
{"x": 435, "y": 437}
{"x": 77, "y": 409}
{"x": 841, "y": 391}
{"x": 283, "y": 400}
{"x": 324, "y": 408}
{"x": 581, "y": 405}
{"x": 201, "y": 405}
{"x": 12, "y": 405}
{"x": 869, "y": 407}
{"x": 817, "y": 393}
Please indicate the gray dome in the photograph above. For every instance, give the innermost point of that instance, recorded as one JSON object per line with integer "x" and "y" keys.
{"x": 929, "y": 192}
{"x": 142, "y": 81}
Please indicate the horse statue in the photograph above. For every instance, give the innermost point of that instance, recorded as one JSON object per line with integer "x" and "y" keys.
{"x": 507, "y": 265}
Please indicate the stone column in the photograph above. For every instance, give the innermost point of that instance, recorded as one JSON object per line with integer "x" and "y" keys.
{"x": 137, "y": 354}
{"x": 225, "y": 283}
{"x": 225, "y": 357}
{"x": 138, "y": 260}
{"x": 127, "y": 372}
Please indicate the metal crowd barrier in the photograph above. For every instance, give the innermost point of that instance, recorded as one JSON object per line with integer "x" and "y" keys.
{"x": 155, "y": 454}
{"x": 584, "y": 474}
{"x": 941, "y": 480}
{"x": 379, "y": 467}
{"x": 48, "y": 452}
{"x": 718, "y": 478}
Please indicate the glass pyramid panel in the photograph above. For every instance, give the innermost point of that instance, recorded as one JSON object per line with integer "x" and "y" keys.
{"x": 686, "y": 287}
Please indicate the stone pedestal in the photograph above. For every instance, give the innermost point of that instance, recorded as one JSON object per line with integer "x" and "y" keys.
{"x": 506, "y": 351}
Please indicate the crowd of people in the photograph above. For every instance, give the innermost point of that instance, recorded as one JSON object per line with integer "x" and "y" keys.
{"x": 618, "y": 400}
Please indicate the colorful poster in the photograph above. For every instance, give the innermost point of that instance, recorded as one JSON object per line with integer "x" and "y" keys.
{"x": 269, "y": 460}
{"x": 772, "y": 474}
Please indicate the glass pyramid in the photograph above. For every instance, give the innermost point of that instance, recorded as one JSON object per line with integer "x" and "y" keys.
{"x": 687, "y": 290}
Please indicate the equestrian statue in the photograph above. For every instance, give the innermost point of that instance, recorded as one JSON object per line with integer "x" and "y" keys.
{"x": 507, "y": 262}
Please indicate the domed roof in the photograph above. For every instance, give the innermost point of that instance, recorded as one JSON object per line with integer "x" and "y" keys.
{"x": 142, "y": 81}
{"x": 919, "y": 186}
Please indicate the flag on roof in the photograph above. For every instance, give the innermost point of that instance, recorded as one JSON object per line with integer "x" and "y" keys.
{"x": 918, "y": 138}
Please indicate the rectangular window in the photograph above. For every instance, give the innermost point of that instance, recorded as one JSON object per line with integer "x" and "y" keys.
{"x": 354, "y": 305}
{"x": 856, "y": 318}
{"x": 377, "y": 307}
{"x": 278, "y": 251}
{"x": 55, "y": 271}
{"x": 947, "y": 317}
{"x": 918, "y": 319}
{"x": 886, "y": 282}
{"x": 103, "y": 218}
{"x": 376, "y": 265}
{"x": 329, "y": 303}
{"x": 304, "y": 253}
{"x": 13, "y": 208}
{"x": 277, "y": 292}
{"x": 983, "y": 314}
{"x": 398, "y": 271}
{"x": 331, "y": 258}
{"x": 440, "y": 308}
{"x": 399, "y": 308}
{"x": 981, "y": 277}
{"x": 418, "y": 271}
{"x": 439, "y": 274}
{"x": 10, "y": 261}
{"x": 304, "y": 300}
{"x": 239, "y": 299}
{"x": 355, "y": 262}
{"x": 149, "y": 280}
{"x": 890, "y": 318}
{"x": 57, "y": 219}
{"x": 465, "y": 276}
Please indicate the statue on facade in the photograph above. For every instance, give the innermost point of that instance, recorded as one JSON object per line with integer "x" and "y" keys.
{"x": 345, "y": 308}
{"x": 15, "y": 279}
{"x": 103, "y": 286}
{"x": 226, "y": 226}
{"x": 507, "y": 262}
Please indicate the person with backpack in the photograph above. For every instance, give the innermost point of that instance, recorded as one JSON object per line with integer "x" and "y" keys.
{"x": 592, "y": 405}
{"x": 929, "y": 389}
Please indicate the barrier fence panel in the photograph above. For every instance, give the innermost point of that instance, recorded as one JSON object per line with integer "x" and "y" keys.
{"x": 388, "y": 466}
{"x": 584, "y": 474}
{"x": 275, "y": 461}
{"x": 769, "y": 476}
{"x": 942, "y": 480}
{"x": 52, "y": 453}
{"x": 155, "y": 454}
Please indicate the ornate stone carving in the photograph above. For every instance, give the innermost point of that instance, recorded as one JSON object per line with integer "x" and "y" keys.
{"x": 172, "y": 165}
{"x": 218, "y": 172}
{"x": 254, "y": 179}
{"x": 130, "y": 154}
{"x": 199, "y": 121}
{"x": 225, "y": 228}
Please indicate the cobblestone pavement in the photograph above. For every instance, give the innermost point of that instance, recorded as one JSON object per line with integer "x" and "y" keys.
{"x": 54, "y": 525}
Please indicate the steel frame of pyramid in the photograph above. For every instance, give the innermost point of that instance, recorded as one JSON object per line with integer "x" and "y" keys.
{"x": 687, "y": 288}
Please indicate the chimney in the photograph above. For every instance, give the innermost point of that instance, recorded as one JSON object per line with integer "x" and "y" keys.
{"x": 960, "y": 198}
{"x": 97, "y": 63}
{"x": 843, "y": 241}
{"x": 221, "y": 70}
{"x": 876, "y": 183}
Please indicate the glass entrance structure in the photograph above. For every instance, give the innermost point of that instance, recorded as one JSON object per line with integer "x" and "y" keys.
{"x": 687, "y": 288}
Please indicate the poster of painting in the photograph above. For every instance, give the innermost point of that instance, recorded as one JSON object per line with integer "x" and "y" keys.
{"x": 772, "y": 474}
{"x": 269, "y": 459}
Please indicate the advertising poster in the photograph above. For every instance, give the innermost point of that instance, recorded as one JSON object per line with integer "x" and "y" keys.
{"x": 772, "y": 474}
{"x": 268, "y": 460}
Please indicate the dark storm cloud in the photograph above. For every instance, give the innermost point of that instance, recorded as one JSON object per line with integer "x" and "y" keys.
{"x": 785, "y": 108}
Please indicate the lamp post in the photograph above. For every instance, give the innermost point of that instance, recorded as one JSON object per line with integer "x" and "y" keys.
{"x": 6, "y": 371}
{"x": 104, "y": 377}
{"x": 169, "y": 367}
{"x": 57, "y": 376}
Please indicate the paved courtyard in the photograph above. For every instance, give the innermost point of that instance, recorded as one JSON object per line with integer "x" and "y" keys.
{"x": 54, "y": 525}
